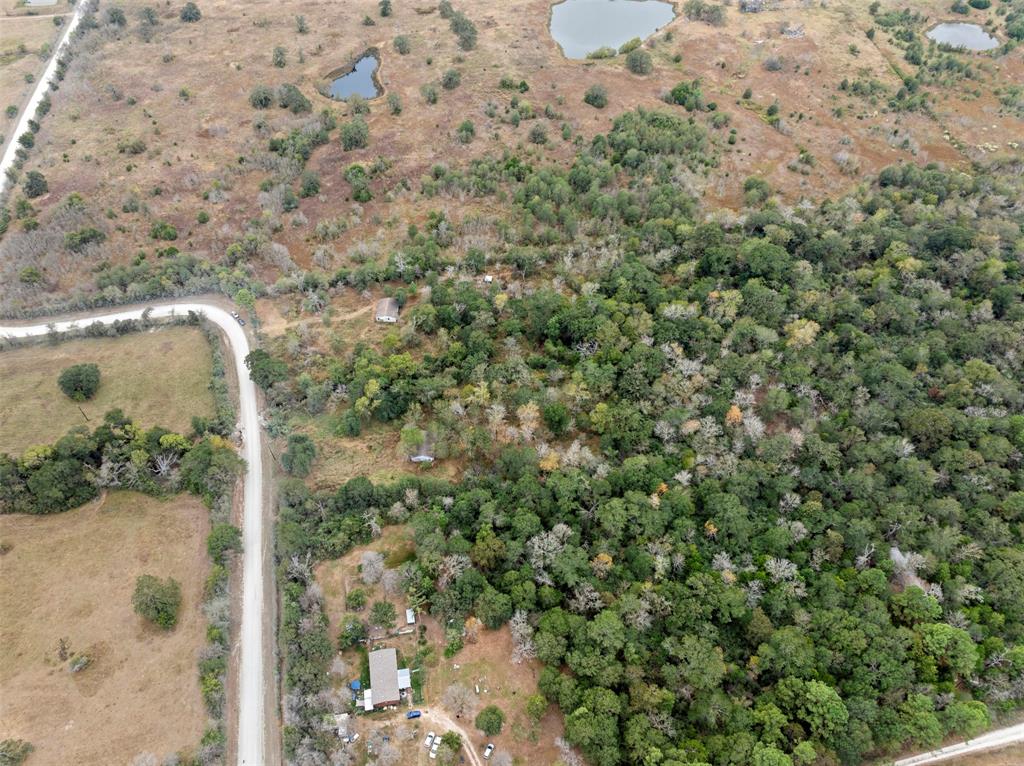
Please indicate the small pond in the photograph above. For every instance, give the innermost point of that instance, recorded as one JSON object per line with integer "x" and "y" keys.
{"x": 960, "y": 35}
{"x": 583, "y": 26}
{"x": 359, "y": 81}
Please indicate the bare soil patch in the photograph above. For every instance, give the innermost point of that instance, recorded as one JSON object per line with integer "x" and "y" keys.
{"x": 71, "y": 576}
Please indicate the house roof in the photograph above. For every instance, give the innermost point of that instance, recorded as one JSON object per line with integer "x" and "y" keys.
{"x": 387, "y": 307}
{"x": 384, "y": 675}
{"x": 404, "y": 678}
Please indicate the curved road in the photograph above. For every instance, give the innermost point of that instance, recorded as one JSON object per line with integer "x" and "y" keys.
{"x": 988, "y": 741}
{"x": 253, "y": 724}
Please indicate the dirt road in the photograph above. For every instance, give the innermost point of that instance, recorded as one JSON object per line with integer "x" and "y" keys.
{"x": 28, "y": 111}
{"x": 253, "y": 723}
{"x": 440, "y": 722}
{"x": 989, "y": 741}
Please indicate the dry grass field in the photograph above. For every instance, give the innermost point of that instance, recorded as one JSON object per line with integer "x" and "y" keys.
{"x": 25, "y": 46}
{"x": 71, "y": 576}
{"x": 179, "y": 92}
{"x": 160, "y": 377}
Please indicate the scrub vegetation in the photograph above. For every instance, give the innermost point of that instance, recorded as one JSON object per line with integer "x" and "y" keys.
{"x": 711, "y": 350}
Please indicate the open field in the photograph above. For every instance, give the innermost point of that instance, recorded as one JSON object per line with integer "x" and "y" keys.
{"x": 178, "y": 97}
{"x": 160, "y": 377}
{"x": 71, "y": 576}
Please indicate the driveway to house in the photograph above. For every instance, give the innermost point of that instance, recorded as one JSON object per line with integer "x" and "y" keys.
{"x": 988, "y": 741}
{"x": 254, "y": 684}
{"x": 442, "y": 722}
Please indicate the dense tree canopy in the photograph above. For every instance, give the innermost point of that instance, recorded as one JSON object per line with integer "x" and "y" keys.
{"x": 749, "y": 487}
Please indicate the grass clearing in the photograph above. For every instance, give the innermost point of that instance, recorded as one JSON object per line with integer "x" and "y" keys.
{"x": 141, "y": 691}
{"x": 159, "y": 377}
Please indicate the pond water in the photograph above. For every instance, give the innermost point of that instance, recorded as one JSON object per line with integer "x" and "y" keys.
{"x": 359, "y": 81}
{"x": 583, "y": 26}
{"x": 960, "y": 35}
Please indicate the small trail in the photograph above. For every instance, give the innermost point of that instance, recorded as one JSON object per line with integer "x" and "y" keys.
{"x": 43, "y": 16}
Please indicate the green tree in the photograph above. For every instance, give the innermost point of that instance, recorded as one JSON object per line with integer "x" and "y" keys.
{"x": 355, "y": 599}
{"x": 383, "y": 614}
{"x": 190, "y": 13}
{"x": 14, "y": 752}
{"x": 354, "y": 134}
{"x": 80, "y": 381}
{"x": 35, "y": 184}
{"x": 158, "y": 601}
{"x": 490, "y": 720}
{"x": 596, "y": 96}
{"x": 353, "y": 632}
{"x": 223, "y": 538}
{"x": 264, "y": 369}
{"x": 451, "y": 79}
{"x": 297, "y": 460}
{"x": 536, "y": 707}
{"x": 639, "y": 61}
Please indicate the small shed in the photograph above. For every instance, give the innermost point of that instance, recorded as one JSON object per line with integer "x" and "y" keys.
{"x": 387, "y": 310}
{"x": 424, "y": 453}
{"x": 410, "y": 616}
{"x": 368, "y": 700}
{"x": 404, "y": 679}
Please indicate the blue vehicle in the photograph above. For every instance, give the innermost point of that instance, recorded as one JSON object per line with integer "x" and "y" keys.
{"x": 413, "y": 714}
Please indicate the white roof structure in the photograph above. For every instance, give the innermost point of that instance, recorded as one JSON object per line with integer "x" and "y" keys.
{"x": 384, "y": 676}
{"x": 404, "y": 678}
{"x": 387, "y": 310}
{"x": 368, "y": 700}
{"x": 410, "y": 616}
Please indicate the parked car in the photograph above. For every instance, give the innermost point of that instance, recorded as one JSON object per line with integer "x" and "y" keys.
{"x": 435, "y": 747}
{"x": 488, "y": 750}
{"x": 413, "y": 714}
{"x": 429, "y": 740}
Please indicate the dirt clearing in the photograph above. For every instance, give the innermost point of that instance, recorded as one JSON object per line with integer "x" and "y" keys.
{"x": 71, "y": 576}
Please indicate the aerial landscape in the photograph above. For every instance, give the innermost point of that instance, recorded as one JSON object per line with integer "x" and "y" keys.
{"x": 562, "y": 383}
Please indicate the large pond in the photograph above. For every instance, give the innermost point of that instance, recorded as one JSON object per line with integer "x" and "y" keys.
{"x": 583, "y": 26}
{"x": 960, "y": 35}
{"x": 360, "y": 81}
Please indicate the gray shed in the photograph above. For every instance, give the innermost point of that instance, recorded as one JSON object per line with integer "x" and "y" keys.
{"x": 384, "y": 677}
{"x": 387, "y": 310}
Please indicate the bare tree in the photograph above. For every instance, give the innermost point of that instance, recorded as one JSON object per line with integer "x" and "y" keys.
{"x": 458, "y": 700}
{"x": 391, "y": 581}
{"x": 522, "y": 637}
{"x": 372, "y": 567}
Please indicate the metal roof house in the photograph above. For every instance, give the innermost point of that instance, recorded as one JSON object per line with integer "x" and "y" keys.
{"x": 386, "y": 680}
{"x": 387, "y": 310}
